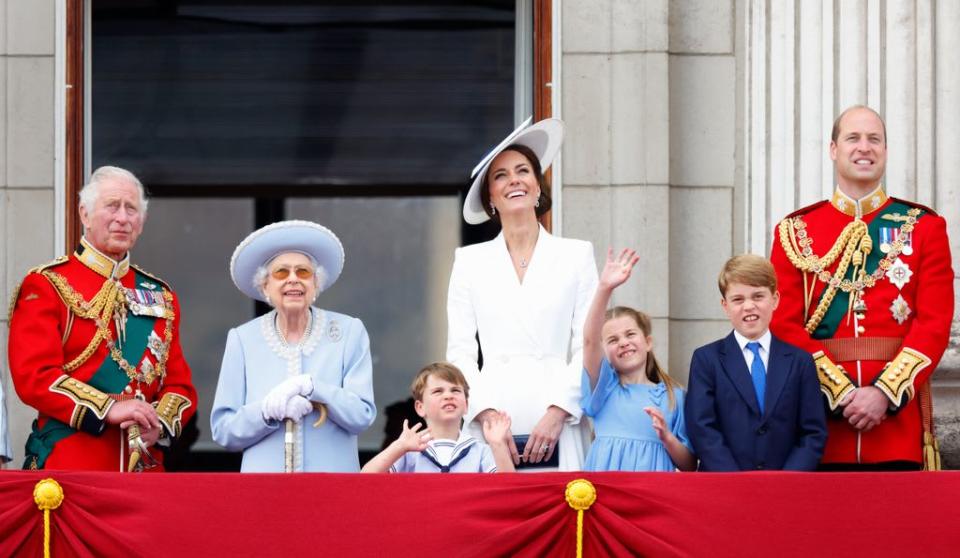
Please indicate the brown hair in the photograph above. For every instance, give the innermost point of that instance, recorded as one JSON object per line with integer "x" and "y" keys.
{"x": 835, "y": 133}
{"x": 655, "y": 373}
{"x": 534, "y": 161}
{"x": 747, "y": 269}
{"x": 442, "y": 370}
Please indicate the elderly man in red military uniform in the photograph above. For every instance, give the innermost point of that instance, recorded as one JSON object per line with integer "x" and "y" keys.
{"x": 94, "y": 344}
{"x": 867, "y": 288}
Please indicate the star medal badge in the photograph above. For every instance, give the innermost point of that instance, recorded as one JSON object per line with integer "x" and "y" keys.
{"x": 899, "y": 273}
{"x": 900, "y": 309}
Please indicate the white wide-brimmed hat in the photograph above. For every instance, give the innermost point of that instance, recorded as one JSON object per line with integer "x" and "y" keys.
{"x": 264, "y": 244}
{"x": 544, "y": 138}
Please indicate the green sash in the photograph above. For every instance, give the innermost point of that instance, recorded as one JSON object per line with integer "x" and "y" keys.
{"x": 841, "y": 301}
{"x": 109, "y": 378}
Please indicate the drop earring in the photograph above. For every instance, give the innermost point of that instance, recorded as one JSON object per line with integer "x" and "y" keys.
{"x": 493, "y": 209}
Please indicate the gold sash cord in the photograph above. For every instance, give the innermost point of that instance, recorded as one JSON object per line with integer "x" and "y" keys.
{"x": 48, "y": 494}
{"x": 580, "y": 495}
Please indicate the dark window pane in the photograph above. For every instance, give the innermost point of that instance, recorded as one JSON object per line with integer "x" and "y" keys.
{"x": 292, "y": 93}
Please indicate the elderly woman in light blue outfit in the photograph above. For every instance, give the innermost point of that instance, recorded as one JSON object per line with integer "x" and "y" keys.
{"x": 297, "y": 369}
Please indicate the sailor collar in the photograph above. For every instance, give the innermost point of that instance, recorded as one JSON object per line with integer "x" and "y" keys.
{"x": 858, "y": 208}
{"x": 462, "y": 445}
{"x": 100, "y": 262}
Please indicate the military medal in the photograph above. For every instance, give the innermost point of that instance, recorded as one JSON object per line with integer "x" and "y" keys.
{"x": 899, "y": 273}
{"x": 146, "y": 303}
{"x": 907, "y": 238}
{"x": 886, "y": 238}
{"x": 900, "y": 309}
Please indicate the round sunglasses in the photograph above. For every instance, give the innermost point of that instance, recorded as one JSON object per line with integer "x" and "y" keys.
{"x": 300, "y": 271}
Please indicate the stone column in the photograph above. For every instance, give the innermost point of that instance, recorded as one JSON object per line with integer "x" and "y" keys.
{"x": 703, "y": 122}
{"x": 26, "y": 167}
{"x": 616, "y": 155}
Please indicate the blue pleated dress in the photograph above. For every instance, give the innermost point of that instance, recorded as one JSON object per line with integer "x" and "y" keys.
{"x": 625, "y": 438}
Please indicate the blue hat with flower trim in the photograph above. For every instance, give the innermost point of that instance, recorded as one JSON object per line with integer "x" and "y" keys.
{"x": 264, "y": 244}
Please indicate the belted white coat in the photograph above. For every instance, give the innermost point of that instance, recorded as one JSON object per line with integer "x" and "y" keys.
{"x": 531, "y": 333}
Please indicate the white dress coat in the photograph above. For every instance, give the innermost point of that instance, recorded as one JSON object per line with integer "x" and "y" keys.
{"x": 531, "y": 333}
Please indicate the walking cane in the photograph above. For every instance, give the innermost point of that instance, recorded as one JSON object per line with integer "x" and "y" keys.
{"x": 288, "y": 436}
{"x": 288, "y": 446}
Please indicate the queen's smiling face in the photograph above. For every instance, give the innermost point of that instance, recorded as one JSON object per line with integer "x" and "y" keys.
{"x": 291, "y": 283}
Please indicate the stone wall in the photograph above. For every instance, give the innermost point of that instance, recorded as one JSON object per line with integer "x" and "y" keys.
{"x": 649, "y": 97}
{"x": 26, "y": 166}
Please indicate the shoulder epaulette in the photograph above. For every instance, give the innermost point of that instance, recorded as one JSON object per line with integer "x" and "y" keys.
{"x": 807, "y": 209}
{"x": 152, "y": 276}
{"x": 51, "y": 264}
{"x": 40, "y": 268}
{"x": 915, "y": 204}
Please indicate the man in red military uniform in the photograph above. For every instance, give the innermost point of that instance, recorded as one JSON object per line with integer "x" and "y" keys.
{"x": 94, "y": 344}
{"x": 867, "y": 288}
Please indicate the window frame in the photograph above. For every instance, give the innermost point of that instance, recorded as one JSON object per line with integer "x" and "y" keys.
{"x": 77, "y": 96}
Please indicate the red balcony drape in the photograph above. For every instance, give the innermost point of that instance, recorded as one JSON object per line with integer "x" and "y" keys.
{"x": 645, "y": 514}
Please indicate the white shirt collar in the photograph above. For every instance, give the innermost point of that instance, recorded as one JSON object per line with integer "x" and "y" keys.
{"x": 764, "y": 341}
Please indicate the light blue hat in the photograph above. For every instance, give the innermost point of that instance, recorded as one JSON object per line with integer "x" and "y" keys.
{"x": 264, "y": 244}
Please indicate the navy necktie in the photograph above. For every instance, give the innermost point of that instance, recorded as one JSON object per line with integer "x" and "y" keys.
{"x": 758, "y": 372}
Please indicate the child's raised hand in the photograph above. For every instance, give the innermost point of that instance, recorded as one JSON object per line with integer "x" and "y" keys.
{"x": 496, "y": 427}
{"x": 414, "y": 439}
{"x": 659, "y": 424}
{"x": 618, "y": 269}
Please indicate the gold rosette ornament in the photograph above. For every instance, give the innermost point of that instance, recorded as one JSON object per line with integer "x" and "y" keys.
{"x": 580, "y": 495}
{"x": 48, "y": 495}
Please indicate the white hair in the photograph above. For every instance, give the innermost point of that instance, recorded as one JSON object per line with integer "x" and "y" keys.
{"x": 91, "y": 191}
{"x": 263, "y": 272}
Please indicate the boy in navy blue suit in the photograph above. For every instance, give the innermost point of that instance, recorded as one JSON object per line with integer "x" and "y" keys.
{"x": 753, "y": 401}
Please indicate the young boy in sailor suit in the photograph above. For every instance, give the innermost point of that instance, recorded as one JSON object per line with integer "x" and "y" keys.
{"x": 440, "y": 393}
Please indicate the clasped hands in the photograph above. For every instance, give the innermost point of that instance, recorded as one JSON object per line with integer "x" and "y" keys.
{"x": 134, "y": 411}
{"x": 288, "y": 399}
{"x": 542, "y": 442}
{"x": 865, "y": 407}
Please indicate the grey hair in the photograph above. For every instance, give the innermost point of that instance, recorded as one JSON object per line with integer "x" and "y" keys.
{"x": 90, "y": 192}
{"x": 263, "y": 271}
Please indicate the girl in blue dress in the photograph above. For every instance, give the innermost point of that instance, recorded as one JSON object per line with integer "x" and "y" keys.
{"x": 637, "y": 409}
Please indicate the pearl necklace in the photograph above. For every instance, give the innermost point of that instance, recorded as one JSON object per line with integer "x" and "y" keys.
{"x": 303, "y": 338}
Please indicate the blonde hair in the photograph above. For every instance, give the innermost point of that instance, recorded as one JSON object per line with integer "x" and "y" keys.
{"x": 654, "y": 372}
{"x": 442, "y": 370}
{"x": 747, "y": 269}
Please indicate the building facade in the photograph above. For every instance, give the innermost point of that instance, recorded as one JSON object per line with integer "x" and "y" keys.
{"x": 693, "y": 126}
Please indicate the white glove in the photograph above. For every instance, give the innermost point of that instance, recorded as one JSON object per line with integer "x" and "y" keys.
{"x": 297, "y": 408}
{"x": 274, "y": 405}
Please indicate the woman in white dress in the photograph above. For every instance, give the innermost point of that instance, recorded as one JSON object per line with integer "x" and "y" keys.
{"x": 526, "y": 293}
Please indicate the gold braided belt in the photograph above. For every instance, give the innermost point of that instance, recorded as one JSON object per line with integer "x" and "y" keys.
{"x": 110, "y": 303}
{"x": 855, "y": 244}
